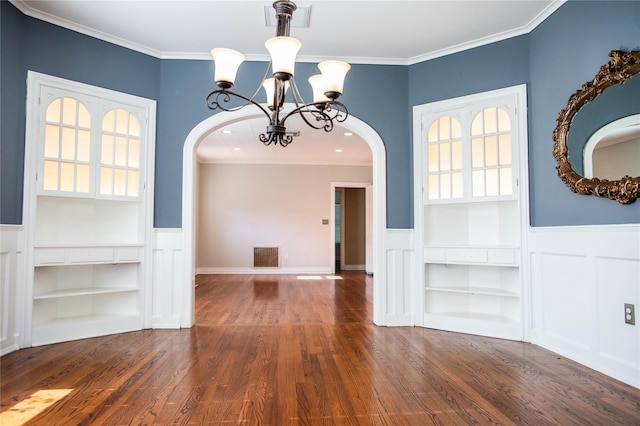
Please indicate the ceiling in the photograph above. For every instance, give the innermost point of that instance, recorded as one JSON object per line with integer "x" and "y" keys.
{"x": 366, "y": 32}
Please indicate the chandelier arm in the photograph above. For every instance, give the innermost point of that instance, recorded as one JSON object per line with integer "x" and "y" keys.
{"x": 321, "y": 112}
{"x": 213, "y": 101}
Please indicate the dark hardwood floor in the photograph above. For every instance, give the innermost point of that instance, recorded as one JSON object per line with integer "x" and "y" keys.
{"x": 275, "y": 350}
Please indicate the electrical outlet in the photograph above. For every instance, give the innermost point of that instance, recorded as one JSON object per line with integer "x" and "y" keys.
{"x": 629, "y": 314}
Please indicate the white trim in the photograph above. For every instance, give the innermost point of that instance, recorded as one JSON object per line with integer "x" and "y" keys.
{"x": 270, "y": 271}
{"x": 205, "y": 56}
{"x": 187, "y": 295}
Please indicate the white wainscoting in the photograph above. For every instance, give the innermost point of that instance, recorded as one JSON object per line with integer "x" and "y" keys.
{"x": 581, "y": 277}
{"x": 400, "y": 265}
{"x": 11, "y": 298}
{"x": 168, "y": 272}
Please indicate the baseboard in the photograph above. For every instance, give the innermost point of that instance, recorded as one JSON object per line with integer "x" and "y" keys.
{"x": 274, "y": 271}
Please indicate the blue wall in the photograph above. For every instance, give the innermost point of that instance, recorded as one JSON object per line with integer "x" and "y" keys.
{"x": 554, "y": 60}
{"x": 185, "y": 84}
{"x": 567, "y": 50}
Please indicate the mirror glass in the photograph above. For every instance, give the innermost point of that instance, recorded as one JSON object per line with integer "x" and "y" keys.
{"x": 614, "y": 150}
{"x": 614, "y": 103}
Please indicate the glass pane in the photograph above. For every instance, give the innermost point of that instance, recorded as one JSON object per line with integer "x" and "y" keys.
{"x": 134, "y": 126}
{"x": 51, "y": 141}
{"x": 477, "y": 183}
{"x": 50, "y": 178}
{"x": 456, "y": 155}
{"x": 434, "y": 184}
{"x": 82, "y": 178}
{"x": 122, "y": 121}
{"x": 107, "y": 121}
{"x": 504, "y": 148}
{"x": 121, "y": 151}
{"x": 84, "y": 146}
{"x": 492, "y": 183}
{"x": 132, "y": 183}
{"x": 444, "y": 128}
{"x": 445, "y": 156}
{"x": 67, "y": 177}
{"x": 84, "y": 119}
{"x": 477, "y": 153}
{"x": 490, "y": 120}
{"x": 53, "y": 111}
{"x": 120, "y": 182}
{"x": 445, "y": 187}
{"x": 106, "y": 180}
{"x": 504, "y": 123}
{"x": 69, "y": 111}
{"x": 506, "y": 183}
{"x": 432, "y": 133}
{"x": 456, "y": 185}
{"x": 106, "y": 151}
{"x": 491, "y": 151}
{"x": 68, "y": 151}
{"x": 134, "y": 153}
{"x": 432, "y": 157}
{"x": 476, "y": 125}
{"x": 456, "y": 130}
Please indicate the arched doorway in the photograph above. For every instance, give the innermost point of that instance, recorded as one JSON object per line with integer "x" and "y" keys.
{"x": 188, "y": 206}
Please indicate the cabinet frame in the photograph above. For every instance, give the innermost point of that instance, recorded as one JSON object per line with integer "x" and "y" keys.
{"x": 86, "y": 253}
{"x": 460, "y": 252}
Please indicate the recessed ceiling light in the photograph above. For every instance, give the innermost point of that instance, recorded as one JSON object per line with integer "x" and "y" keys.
{"x": 348, "y": 134}
{"x": 338, "y": 150}
{"x": 226, "y": 132}
{"x": 236, "y": 149}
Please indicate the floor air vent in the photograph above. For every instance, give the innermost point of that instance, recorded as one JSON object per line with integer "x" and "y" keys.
{"x": 265, "y": 257}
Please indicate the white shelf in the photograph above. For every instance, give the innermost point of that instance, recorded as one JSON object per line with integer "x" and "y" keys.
{"x": 83, "y": 326}
{"x": 502, "y": 255}
{"x": 92, "y": 254}
{"x": 475, "y": 323}
{"x": 486, "y": 291}
{"x": 89, "y": 291}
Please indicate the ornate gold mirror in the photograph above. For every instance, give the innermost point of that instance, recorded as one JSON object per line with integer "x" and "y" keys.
{"x": 603, "y": 113}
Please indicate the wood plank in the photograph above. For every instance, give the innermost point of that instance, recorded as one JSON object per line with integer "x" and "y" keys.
{"x": 275, "y": 350}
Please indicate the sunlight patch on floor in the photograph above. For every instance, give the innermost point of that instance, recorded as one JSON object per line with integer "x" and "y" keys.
{"x": 318, "y": 277}
{"x": 27, "y": 409}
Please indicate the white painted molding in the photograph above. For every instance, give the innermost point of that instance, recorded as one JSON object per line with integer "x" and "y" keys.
{"x": 12, "y": 293}
{"x": 581, "y": 276}
{"x": 209, "y": 125}
{"x": 270, "y": 271}
{"x": 167, "y": 290}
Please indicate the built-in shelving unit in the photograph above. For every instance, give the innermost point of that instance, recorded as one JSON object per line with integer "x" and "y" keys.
{"x": 88, "y": 210}
{"x": 470, "y": 215}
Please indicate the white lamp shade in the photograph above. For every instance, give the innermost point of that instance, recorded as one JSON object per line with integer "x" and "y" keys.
{"x": 269, "y": 86}
{"x": 334, "y": 73}
{"x": 227, "y": 62}
{"x": 317, "y": 84}
{"x": 283, "y": 51}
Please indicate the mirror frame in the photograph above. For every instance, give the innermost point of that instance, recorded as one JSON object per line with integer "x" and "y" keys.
{"x": 621, "y": 67}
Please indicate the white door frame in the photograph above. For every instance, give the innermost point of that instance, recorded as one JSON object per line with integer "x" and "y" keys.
{"x": 332, "y": 219}
{"x": 185, "y": 288}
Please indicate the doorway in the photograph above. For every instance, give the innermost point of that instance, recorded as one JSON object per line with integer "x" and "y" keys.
{"x": 186, "y": 285}
{"x": 350, "y": 229}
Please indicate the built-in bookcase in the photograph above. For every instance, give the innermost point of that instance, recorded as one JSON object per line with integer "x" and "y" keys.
{"x": 471, "y": 212}
{"x": 88, "y": 199}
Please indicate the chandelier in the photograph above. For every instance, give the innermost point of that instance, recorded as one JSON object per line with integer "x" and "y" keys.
{"x": 327, "y": 86}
